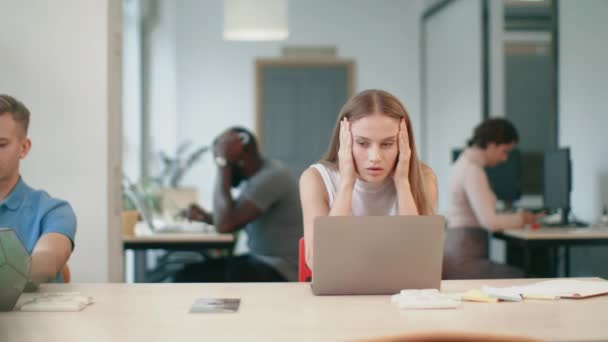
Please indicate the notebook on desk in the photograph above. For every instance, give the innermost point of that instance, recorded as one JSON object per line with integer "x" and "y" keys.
{"x": 562, "y": 288}
{"x": 571, "y": 288}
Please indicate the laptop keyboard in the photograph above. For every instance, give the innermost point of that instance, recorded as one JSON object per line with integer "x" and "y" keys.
{"x": 186, "y": 227}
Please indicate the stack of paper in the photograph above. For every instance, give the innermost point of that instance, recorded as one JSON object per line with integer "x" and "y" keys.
{"x": 506, "y": 294}
{"x": 57, "y": 301}
{"x": 554, "y": 289}
{"x": 424, "y": 299}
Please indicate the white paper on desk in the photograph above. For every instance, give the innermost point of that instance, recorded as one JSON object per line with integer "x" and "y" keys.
{"x": 57, "y": 301}
{"x": 564, "y": 288}
{"x": 504, "y": 293}
{"x": 572, "y": 288}
{"x": 424, "y": 299}
{"x": 162, "y": 227}
{"x": 53, "y": 306}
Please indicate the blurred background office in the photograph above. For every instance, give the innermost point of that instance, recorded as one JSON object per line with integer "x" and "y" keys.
{"x": 116, "y": 85}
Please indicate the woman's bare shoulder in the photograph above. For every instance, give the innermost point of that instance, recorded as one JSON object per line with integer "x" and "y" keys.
{"x": 312, "y": 185}
{"x": 310, "y": 176}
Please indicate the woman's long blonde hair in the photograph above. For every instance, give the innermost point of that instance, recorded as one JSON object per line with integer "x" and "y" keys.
{"x": 374, "y": 101}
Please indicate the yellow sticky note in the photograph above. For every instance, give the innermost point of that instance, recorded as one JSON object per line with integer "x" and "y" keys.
{"x": 539, "y": 296}
{"x": 477, "y": 295}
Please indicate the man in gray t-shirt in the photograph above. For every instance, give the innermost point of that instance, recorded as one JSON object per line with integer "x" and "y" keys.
{"x": 268, "y": 208}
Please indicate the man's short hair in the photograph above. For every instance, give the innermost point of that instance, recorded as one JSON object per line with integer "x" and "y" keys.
{"x": 16, "y": 109}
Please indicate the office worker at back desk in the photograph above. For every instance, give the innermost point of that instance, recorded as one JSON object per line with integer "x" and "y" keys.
{"x": 472, "y": 210}
{"x": 45, "y": 225}
{"x": 371, "y": 167}
{"x": 268, "y": 208}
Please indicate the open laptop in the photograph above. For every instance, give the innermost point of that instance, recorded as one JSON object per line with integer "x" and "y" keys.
{"x": 160, "y": 226}
{"x": 368, "y": 255}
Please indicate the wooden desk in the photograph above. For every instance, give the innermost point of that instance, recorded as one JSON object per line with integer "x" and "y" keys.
{"x": 289, "y": 312}
{"x": 553, "y": 238}
{"x": 173, "y": 242}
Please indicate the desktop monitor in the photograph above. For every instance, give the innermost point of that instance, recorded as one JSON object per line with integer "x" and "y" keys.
{"x": 505, "y": 179}
{"x": 532, "y": 172}
{"x": 557, "y": 181}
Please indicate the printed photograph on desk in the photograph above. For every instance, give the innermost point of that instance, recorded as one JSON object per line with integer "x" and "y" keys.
{"x": 215, "y": 305}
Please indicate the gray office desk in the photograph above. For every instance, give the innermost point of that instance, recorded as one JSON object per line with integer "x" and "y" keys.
{"x": 553, "y": 238}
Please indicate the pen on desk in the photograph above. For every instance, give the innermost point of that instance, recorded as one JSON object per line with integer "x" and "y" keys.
{"x": 539, "y": 296}
{"x": 506, "y": 297}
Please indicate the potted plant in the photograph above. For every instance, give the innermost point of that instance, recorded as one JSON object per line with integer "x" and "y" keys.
{"x": 174, "y": 197}
{"x": 129, "y": 215}
{"x": 135, "y": 196}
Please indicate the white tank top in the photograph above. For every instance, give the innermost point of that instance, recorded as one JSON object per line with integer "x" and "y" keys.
{"x": 369, "y": 199}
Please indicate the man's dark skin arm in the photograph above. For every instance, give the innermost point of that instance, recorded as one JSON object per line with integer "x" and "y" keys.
{"x": 196, "y": 213}
{"x": 230, "y": 215}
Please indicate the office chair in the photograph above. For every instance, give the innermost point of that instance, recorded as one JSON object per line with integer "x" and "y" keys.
{"x": 304, "y": 273}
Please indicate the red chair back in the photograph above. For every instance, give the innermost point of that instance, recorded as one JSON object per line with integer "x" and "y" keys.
{"x": 304, "y": 273}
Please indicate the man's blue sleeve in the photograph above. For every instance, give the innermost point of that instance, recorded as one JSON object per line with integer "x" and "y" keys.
{"x": 60, "y": 218}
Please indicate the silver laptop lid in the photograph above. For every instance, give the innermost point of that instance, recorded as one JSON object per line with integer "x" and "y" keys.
{"x": 377, "y": 254}
{"x": 141, "y": 204}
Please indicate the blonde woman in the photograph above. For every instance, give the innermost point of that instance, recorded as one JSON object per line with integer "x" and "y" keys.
{"x": 371, "y": 167}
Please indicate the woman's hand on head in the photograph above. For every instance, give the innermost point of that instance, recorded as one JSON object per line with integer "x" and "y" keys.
{"x": 402, "y": 169}
{"x": 346, "y": 162}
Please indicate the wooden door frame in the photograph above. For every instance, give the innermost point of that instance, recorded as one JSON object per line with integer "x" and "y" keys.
{"x": 292, "y": 62}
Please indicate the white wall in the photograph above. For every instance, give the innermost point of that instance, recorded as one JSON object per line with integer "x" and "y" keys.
{"x": 496, "y": 55}
{"x": 132, "y": 89}
{"x": 215, "y": 79}
{"x": 583, "y": 114}
{"x": 161, "y": 23}
{"x": 453, "y": 86}
{"x": 55, "y": 57}
{"x": 583, "y": 104}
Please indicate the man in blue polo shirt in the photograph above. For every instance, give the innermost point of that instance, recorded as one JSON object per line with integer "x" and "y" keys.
{"x": 45, "y": 225}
